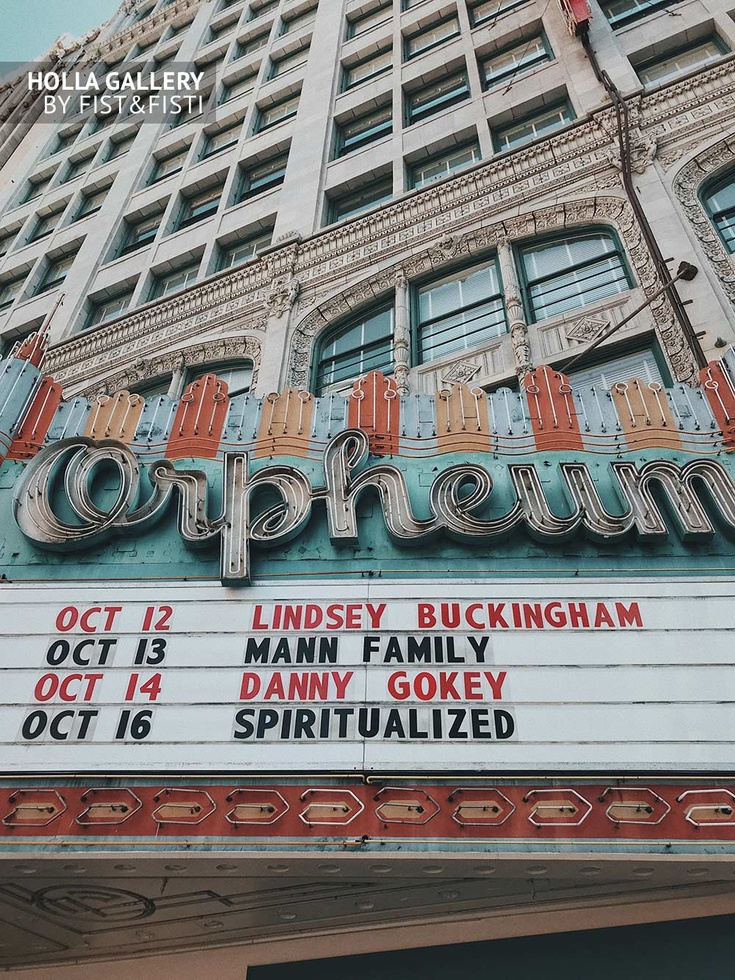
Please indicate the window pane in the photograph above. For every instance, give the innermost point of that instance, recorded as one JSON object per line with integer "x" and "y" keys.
{"x": 10, "y": 290}
{"x": 361, "y": 200}
{"x": 233, "y": 90}
{"x": 681, "y": 62}
{"x": 565, "y": 274}
{"x": 618, "y": 370}
{"x": 359, "y": 132}
{"x": 355, "y": 349}
{"x": 533, "y": 128}
{"x": 279, "y": 66}
{"x": 232, "y": 255}
{"x": 368, "y": 68}
{"x": 366, "y": 22}
{"x": 437, "y": 96}
{"x": 168, "y": 165}
{"x": 489, "y": 9}
{"x": 621, "y": 11}
{"x": 431, "y": 36}
{"x": 720, "y": 203}
{"x": 171, "y": 283}
{"x": 460, "y": 311}
{"x": 262, "y": 176}
{"x": 509, "y": 63}
{"x": 221, "y": 140}
{"x": 444, "y": 165}
{"x": 277, "y": 113}
{"x": 109, "y": 309}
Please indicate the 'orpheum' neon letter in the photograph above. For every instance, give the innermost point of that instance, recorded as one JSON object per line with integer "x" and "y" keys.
{"x": 455, "y": 496}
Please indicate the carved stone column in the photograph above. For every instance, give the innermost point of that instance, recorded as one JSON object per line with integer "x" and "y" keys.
{"x": 517, "y": 325}
{"x": 402, "y": 335}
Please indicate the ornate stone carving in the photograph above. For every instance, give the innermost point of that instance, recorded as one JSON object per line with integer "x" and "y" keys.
{"x": 611, "y": 210}
{"x": 148, "y": 369}
{"x": 687, "y": 184}
{"x": 282, "y": 296}
{"x": 461, "y": 372}
{"x": 586, "y": 327}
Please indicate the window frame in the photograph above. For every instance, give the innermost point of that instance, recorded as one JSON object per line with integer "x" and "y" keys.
{"x": 496, "y": 132}
{"x": 351, "y": 24}
{"x": 452, "y": 274}
{"x": 96, "y": 305}
{"x": 258, "y": 240}
{"x": 269, "y": 182}
{"x": 409, "y": 55}
{"x": 291, "y": 101}
{"x": 435, "y": 106}
{"x": 437, "y": 157}
{"x": 341, "y": 148}
{"x": 155, "y": 291}
{"x": 719, "y": 43}
{"x": 574, "y": 233}
{"x": 128, "y": 246}
{"x": 504, "y": 7}
{"x": 346, "y": 69}
{"x": 332, "y": 203}
{"x": 343, "y": 326}
{"x": 46, "y": 283}
{"x": 511, "y": 73}
{"x": 191, "y": 214}
{"x": 709, "y": 189}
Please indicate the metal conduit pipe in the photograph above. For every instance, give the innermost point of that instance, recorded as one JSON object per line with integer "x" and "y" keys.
{"x": 623, "y": 126}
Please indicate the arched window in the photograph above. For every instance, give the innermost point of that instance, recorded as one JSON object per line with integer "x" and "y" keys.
{"x": 354, "y": 348}
{"x": 238, "y": 375}
{"x": 459, "y": 311}
{"x": 565, "y": 273}
{"x": 719, "y": 200}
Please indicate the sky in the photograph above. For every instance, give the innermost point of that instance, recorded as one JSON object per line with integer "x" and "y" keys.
{"x": 30, "y": 27}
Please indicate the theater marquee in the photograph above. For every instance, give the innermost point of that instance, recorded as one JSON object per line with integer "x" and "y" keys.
{"x": 398, "y": 677}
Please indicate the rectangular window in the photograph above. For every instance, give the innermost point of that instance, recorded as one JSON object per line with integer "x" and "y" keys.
{"x": 277, "y": 113}
{"x": 680, "y": 62}
{"x": 488, "y": 10}
{"x": 620, "y": 12}
{"x": 64, "y": 141}
{"x": 108, "y": 309}
{"x": 6, "y": 240}
{"x": 260, "y": 177}
{"x": 356, "y": 133}
{"x": 218, "y": 31}
{"x": 10, "y": 290}
{"x": 241, "y": 251}
{"x": 460, "y": 311}
{"x": 363, "y": 23}
{"x": 355, "y": 202}
{"x": 172, "y": 282}
{"x": 190, "y": 110}
{"x": 141, "y": 233}
{"x": 444, "y": 164}
{"x": 36, "y": 187}
{"x": 46, "y": 224}
{"x": 534, "y": 127}
{"x": 236, "y": 88}
{"x": 507, "y": 64}
{"x": 119, "y": 148}
{"x": 302, "y": 22}
{"x": 571, "y": 271}
{"x": 436, "y": 96}
{"x": 642, "y": 365}
{"x": 165, "y": 166}
{"x": 410, "y": 4}
{"x": 222, "y": 139}
{"x": 289, "y": 62}
{"x": 361, "y": 71}
{"x": 55, "y": 273}
{"x": 78, "y": 167}
{"x": 263, "y": 8}
{"x": 91, "y": 203}
{"x": 430, "y": 37}
{"x": 250, "y": 44}
{"x": 200, "y": 206}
